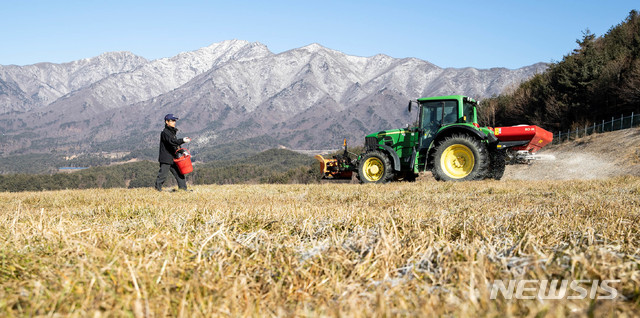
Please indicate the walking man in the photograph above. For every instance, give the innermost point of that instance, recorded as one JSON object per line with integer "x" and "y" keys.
{"x": 169, "y": 144}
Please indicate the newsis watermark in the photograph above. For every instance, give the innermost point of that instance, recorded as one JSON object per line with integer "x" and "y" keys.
{"x": 543, "y": 289}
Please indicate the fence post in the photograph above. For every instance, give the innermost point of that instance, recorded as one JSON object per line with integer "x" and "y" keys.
{"x": 568, "y": 134}
{"x": 594, "y": 128}
{"x": 631, "y": 124}
{"x": 602, "y": 129}
{"x": 621, "y": 120}
{"x": 612, "y": 119}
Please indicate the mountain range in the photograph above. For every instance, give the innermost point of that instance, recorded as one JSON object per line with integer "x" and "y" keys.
{"x": 306, "y": 98}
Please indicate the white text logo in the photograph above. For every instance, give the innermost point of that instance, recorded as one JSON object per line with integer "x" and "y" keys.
{"x": 554, "y": 289}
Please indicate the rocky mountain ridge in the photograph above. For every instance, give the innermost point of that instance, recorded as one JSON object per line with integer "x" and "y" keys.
{"x": 229, "y": 91}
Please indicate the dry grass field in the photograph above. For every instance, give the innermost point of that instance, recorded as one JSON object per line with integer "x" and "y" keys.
{"x": 401, "y": 249}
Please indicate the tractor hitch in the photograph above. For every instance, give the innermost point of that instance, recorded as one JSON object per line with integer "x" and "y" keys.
{"x": 341, "y": 166}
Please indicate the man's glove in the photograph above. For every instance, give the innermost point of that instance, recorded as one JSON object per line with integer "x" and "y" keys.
{"x": 186, "y": 139}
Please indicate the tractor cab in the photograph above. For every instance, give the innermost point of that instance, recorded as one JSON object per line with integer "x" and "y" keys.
{"x": 438, "y": 112}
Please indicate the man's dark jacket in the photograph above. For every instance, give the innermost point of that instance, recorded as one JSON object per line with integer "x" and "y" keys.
{"x": 168, "y": 144}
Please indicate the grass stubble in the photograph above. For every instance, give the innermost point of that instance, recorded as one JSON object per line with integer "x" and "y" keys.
{"x": 401, "y": 249}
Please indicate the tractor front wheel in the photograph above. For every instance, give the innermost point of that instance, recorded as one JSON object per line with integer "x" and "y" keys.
{"x": 375, "y": 167}
{"x": 460, "y": 158}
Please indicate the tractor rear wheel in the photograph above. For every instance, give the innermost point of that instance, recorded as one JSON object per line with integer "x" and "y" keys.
{"x": 497, "y": 165}
{"x": 375, "y": 167}
{"x": 460, "y": 158}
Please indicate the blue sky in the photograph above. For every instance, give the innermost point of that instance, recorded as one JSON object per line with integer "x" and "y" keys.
{"x": 479, "y": 34}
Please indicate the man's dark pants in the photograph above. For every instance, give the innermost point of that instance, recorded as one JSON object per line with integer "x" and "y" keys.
{"x": 164, "y": 171}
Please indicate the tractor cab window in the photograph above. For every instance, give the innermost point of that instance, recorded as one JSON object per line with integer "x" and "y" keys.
{"x": 468, "y": 110}
{"x": 450, "y": 113}
{"x": 437, "y": 113}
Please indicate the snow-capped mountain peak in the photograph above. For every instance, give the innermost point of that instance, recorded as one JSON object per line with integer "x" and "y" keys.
{"x": 238, "y": 88}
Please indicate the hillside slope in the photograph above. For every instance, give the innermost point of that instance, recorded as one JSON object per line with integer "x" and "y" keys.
{"x": 593, "y": 157}
{"x": 598, "y": 79}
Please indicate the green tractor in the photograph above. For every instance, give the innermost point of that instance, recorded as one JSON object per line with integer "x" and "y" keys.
{"x": 446, "y": 141}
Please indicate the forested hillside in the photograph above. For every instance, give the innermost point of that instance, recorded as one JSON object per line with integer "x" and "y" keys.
{"x": 271, "y": 166}
{"x": 204, "y": 152}
{"x": 598, "y": 80}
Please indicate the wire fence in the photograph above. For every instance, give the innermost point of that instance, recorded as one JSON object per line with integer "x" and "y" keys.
{"x": 619, "y": 123}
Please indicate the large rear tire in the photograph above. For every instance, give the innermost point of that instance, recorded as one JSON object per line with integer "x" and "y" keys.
{"x": 375, "y": 167}
{"x": 460, "y": 158}
{"x": 497, "y": 165}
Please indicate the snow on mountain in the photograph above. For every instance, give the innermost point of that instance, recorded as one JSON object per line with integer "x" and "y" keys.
{"x": 24, "y": 88}
{"x": 163, "y": 75}
{"x": 234, "y": 90}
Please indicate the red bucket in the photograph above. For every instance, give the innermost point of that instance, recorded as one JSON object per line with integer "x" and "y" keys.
{"x": 184, "y": 162}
